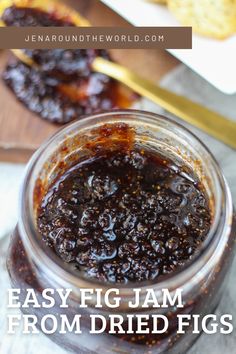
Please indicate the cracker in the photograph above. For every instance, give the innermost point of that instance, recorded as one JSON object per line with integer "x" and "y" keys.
{"x": 214, "y": 18}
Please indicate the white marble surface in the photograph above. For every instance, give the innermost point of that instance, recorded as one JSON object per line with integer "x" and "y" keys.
{"x": 183, "y": 81}
{"x": 207, "y": 65}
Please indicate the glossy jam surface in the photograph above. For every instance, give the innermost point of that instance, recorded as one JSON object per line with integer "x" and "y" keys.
{"x": 64, "y": 64}
{"x": 125, "y": 216}
{"x": 119, "y": 212}
{"x": 57, "y": 102}
{"x": 31, "y": 17}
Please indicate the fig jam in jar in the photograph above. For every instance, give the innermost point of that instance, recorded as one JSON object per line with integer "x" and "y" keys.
{"x": 127, "y": 200}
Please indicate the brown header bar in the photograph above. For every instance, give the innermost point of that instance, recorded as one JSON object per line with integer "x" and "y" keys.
{"x": 95, "y": 37}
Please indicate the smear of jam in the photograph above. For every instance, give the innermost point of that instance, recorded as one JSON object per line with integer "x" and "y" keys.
{"x": 31, "y": 17}
{"x": 57, "y": 102}
{"x": 125, "y": 216}
{"x": 64, "y": 87}
{"x": 64, "y": 64}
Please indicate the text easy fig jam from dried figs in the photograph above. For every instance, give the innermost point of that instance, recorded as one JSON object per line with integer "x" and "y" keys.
{"x": 127, "y": 215}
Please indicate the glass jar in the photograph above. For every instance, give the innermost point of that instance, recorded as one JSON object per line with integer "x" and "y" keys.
{"x": 31, "y": 266}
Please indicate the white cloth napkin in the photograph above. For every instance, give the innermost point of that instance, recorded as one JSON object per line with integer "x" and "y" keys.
{"x": 183, "y": 81}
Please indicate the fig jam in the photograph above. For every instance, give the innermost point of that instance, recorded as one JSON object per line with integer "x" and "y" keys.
{"x": 56, "y": 102}
{"x": 125, "y": 216}
{"x": 65, "y": 64}
{"x": 62, "y": 87}
{"x": 31, "y": 17}
{"x": 112, "y": 212}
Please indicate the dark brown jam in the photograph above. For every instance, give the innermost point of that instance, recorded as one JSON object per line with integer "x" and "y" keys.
{"x": 64, "y": 86}
{"x": 56, "y": 102}
{"x": 125, "y": 216}
{"x": 31, "y": 17}
{"x": 64, "y": 64}
{"x": 120, "y": 214}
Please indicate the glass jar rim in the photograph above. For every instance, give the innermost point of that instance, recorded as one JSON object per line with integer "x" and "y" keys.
{"x": 175, "y": 279}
